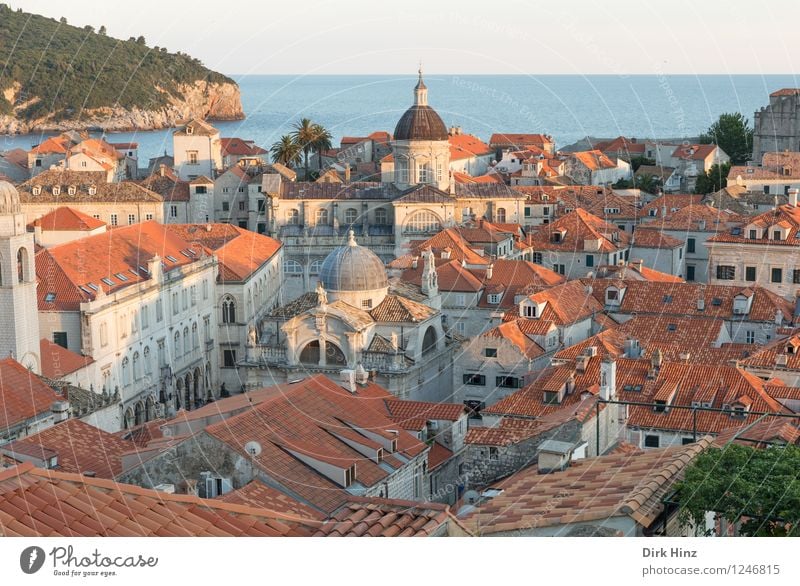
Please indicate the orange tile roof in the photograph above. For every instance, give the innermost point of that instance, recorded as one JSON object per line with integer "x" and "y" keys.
{"x": 23, "y": 395}
{"x": 58, "y": 362}
{"x": 438, "y": 455}
{"x": 672, "y": 203}
{"x": 65, "y": 272}
{"x": 240, "y": 252}
{"x": 257, "y": 494}
{"x": 52, "y": 145}
{"x": 636, "y": 270}
{"x": 71, "y": 505}
{"x": 306, "y": 419}
{"x": 239, "y": 147}
{"x": 621, "y": 144}
{"x": 697, "y": 152}
{"x": 589, "y": 490}
{"x": 397, "y": 309}
{"x": 567, "y": 303}
{"x": 785, "y": 216}
{"x": 372, "y": 517}
{"x": 467, "y": 146}
{"x": 399, "y": 410}
{"x": 519, "y": 139}
{"x": 647, "y": 238}
{"x": 80, "y": 448}
{"x": 67, "y": 219}
{"x": 460, "y": 249}
{"x": 785, "y": 92}
{"x": 593, "y": 160}
{"x": 169, "y": 186}
{"x": 511, "y": 332}
{"x": 577, "y": 227}
{"x": 608, "y": 343}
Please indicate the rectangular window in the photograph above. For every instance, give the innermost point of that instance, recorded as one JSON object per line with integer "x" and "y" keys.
{"x": 175, "y": 306}
{"x": 476, "y": 380}
{"x": 200, "y": 190}
{"x": 537, "y": 257}
{"x": 749, "y": 273}
{"x": 691, "y": 244}
{"x": 753, "y": 235}
{"x": 776, "y": 276}
{"x": 229, "y": 358}
{"x": 159, "y": 310}
{"x": 241, "y": 206}
{"x": 114, "y": 220}
{"x": 226, "y": 206}
{"x": 776, "y": 235}
{"x": 508, "y": 382}
{"x": 191, "y": 156}
{"x": 145, "y": 316}
{"x": 796, "y": 276}
{"x": 148, "y": 217}
{"x": 173, "y": 211}
{"x": 131, "y": 219}
{"x": 461, "y": 299}
{"x": 690, "y": 273}
{"x": 60, "y": 338}
{"x": 589, "y": 260}
{"x": 750, "y": 337}
{"x": 726, "y": 272}
{"x": 490, "y": 352}
{"x": 527, "y": 212}
{"x": 560, "y": 269}
{"x": 546, "y": 211}
{"x": 651, "y": 441}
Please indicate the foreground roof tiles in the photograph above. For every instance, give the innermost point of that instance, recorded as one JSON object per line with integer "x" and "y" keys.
{"x": 23, "y": 395}
{"x": 589, "y": 490}
{"x": 46, "y": 503}
{"x": 387, "y": 518}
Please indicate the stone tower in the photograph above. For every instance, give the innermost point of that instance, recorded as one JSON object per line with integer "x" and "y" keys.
{"x": 776, "y": 127}
{"x": 420, "y": 149}
{"x": 19, "y": 313}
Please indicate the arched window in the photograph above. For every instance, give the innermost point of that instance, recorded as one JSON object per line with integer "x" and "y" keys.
{"x": 228, "y": 310}
{"x": 314, "y": 267}
{"x": 148, "y": 367}
{"x": 321, "y": 217}
{"x": 186, "y": 341}
{"x": 350, "y": 216}
{"x": 500, "y": 216}
{"x": 137, "y": 366}
{"x": 292, "y": 267}
{"x": 429, "y": 340}
{"x": 292, "y": 217}
{"x": 381, "y": 217}
{"x": 422, "y": 222}
{"x": 177, "y": 345}
{"x": 125, "y": 372}
{"x": 22, "y": 264}
{"x": 195, "y": 336}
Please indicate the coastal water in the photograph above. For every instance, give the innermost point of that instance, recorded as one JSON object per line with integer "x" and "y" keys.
{"x": 569, "y": 107}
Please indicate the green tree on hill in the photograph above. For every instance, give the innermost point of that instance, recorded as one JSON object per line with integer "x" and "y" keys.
{"x": 733, "y": 134}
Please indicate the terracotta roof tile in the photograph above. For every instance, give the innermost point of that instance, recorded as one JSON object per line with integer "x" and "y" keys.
{"x": 58, "y": 362}
{"x": 23, "y": 395}
{"x": 67, "y": 219}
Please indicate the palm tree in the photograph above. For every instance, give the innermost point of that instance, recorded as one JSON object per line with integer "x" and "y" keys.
{"x": 304, "y": 134}
{"x": 322, "y": 142}
{"x": 286, "y": 151}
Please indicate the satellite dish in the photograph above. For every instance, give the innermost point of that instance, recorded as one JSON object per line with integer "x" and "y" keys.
{"x": 253, "y": 448}
{"x": 471, "y": 497}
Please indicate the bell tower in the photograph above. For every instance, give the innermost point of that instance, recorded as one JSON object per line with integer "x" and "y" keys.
{"x": 19, "y": 316}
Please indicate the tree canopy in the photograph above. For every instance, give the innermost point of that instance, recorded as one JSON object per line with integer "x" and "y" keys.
{"x": 733, "y": 134}
{"x": 63, "y": 69}
{"x": 714, "y": 179}
{"x": 756, "y": 488}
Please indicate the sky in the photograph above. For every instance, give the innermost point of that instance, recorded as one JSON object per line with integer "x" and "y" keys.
{"x": 456, "y": 36}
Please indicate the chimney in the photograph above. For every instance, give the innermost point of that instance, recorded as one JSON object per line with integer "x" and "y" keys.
{"x": 701, "y": 304}
{"x": 793, "y": 196}
{"x": 361, "y": 375}
{"x": 779, "y": 317}
{"x": 608, "y": 378}
{"x": 656, "y": 359}
{"x": 60, "y": 410}
{"x": 663, "y": 211}
{"x": 632, "y": 348}
{"x": 489, "y": 271}
{"x": 414, "y": 262}
{"x": 638, "y": 264}
{"x": 348, "y": 380}
{"x": 347, "y": 173}
{"x": 162, "y": 169}
{"x": 554, "y": 456}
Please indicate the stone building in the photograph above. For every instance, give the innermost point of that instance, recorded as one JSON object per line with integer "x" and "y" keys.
{"x": 354, "y": 323}
{"x": 777, "y": 126}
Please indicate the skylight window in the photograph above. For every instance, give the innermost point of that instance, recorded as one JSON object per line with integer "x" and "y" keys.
{"x": 143, "y": 270}
{"x": 50, "y": 297}
{"x": 171, "y": 258}
{"x": 667, "y": 299}
{"x": 671, "y": 327}
{"x": 94, "y": 287}
{"x": 716, "y": 301}
{"x": 121, "y": 277}
{"x": 107, "y": 281}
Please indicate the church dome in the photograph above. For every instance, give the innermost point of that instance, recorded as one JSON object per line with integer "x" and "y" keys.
{"x": 420, "y": 121}
{"x": 353, "y": 268}
{"x": 9, "y": 199}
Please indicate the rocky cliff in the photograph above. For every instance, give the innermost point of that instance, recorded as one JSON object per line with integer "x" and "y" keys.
{"x": 201, "y": 99}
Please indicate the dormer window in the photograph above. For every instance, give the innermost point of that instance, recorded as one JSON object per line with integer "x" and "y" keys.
{"x": 494, "y": 298}
{"x": 72, "y": 190}
{"x": 753, "y": 235}
{"x": 776, "y": 234}
{"x": 190, "y": 130}
{"x": 56, "y": 190}
{"x": 92, "y": 190}
{"x": 36, "y": 190}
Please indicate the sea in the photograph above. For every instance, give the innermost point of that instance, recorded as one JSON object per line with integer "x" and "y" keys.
{"x": 568, "y": 107}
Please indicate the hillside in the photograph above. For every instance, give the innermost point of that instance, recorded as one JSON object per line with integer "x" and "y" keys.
{"x": 54, "y": 76}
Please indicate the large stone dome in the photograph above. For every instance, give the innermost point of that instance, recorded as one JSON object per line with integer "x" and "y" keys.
{"x": 9, "y": 199}
{"x": 353, "y": 268}
{"x": 420, "y": 123}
